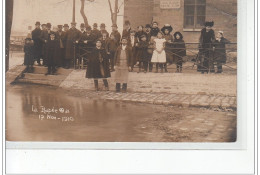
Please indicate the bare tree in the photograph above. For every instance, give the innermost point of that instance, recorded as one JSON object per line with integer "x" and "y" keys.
{"x": 115, "y": 12}
{"x": 8, "y": 27}
{"x": 82, "y": 11}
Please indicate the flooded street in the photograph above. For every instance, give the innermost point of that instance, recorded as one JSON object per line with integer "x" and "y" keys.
{"x": 44, "y": 113}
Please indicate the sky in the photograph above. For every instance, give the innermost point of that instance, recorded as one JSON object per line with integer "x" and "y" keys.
{"x": 27, "y": 12}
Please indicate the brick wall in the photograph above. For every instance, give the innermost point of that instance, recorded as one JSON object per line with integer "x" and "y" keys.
{"x": 223, "y": 12}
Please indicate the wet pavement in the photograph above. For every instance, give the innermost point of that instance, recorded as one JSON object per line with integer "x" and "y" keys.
{"x": 44, "y": 113}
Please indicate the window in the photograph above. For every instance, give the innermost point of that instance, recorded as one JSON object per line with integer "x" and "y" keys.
{"x": 194, "y": 13}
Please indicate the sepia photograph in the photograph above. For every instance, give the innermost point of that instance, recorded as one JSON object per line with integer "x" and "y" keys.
{"x": 121, "y": 71}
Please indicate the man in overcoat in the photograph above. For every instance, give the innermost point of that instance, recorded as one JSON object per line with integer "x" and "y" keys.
{"x": 96, "y": 32}
{"x": 37, "y": 48}
{"x": 116, "y": 33}
{"x": 72, "y": 38}
{"x": 60, "y": 37}
{"x": 52, "y": 47}
{"x": 126, "y": 31}
{"x": 103, "y": 29}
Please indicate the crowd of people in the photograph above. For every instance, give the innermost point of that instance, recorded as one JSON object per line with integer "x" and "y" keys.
{"x": 104, "y": 53}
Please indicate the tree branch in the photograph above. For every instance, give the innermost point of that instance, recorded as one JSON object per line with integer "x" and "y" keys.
{"x": 82, "y": 12}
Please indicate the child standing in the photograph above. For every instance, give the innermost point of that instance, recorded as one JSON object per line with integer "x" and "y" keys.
{"x": 159, "y": 55}
{"x": 179, "y": 50}
{"x": 28, "y": 54}
{"x": 123, "y": 58}
{"x": 142, "y": 53}
{"x": 220, "y": 51}
{"x": 111, "y": 47}
{"x": 52, "y": 46}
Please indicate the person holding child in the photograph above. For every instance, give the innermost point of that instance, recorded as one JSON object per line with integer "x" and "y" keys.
{"x": 123, "y": 58}
{"x": 179, "y": 50}
{"x": 159, "y": 55}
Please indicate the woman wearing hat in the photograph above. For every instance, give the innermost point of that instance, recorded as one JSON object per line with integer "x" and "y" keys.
{"x": 207, "y": 37}
{"x": 98, "y": 66}
{"x": 167, "y": 29}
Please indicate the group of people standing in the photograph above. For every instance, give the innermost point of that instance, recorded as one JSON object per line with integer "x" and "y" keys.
{"x": 145, "y": 47}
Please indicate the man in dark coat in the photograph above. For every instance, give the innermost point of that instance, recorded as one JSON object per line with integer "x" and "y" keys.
{"x": 37, "y": 48}
{"x": 52, "y": 47}
{"x": 72, "y": 37}
{"x": 66, "y": 27}
{"x": 126, "y": 31}
{"x": 82, "y": 28}
{"x": 45, "y": 36}
{"x": 207, "y": 37}
{"x": 96, "y": 32}
{"x": 98, "y": 66}
{"x": 103, "y": 29}
{"x": 60, "y": 37}
{"x": 116, "y": 33}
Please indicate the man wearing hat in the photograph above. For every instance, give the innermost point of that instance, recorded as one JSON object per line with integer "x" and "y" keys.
{"x": 60, "y": 37}
{"x": 66, "y": 27}
{"x": 37, "y": 48}
{"x": 52, "y": 50}
{"x": 207, "y": 37}
{"x": 116, "y": 33}
{"x": 72, "y": 37}
{"x": 126, "y": 31}
{"x": 43, "y": 26}
{"x": 103, "y": 29}
{"x": 82, "y": 28}
{"x": 45, "y": 36}
{"x": 96, "y": 32}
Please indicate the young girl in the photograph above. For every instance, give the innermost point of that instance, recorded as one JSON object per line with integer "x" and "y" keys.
{"x": 179, "y": 50}
{"x": 159, "y": 55}
{"x": 142, "y": 53}
{"x": 220, "y": 51}
{"x": 98, "y": 66}
{"x": 167, "y": 29}
{"x": 28, "y": 54}
{"x": 123, "y": 58}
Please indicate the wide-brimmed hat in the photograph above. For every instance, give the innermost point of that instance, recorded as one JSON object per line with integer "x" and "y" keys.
{"x": 168, "y": 27}
{"x": 37, "y": 23}
{"x": 102, "y": 25}
{"x": 209, "y": 24}
{"x": 66, "y": 25}
{"x": 114, "y": 25}
{"x": 48, "y": 24}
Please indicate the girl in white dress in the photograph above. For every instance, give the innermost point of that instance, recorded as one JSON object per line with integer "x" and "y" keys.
{"x": 159, "y": 55}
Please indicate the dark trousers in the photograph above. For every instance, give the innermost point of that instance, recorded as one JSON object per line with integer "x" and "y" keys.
{"x": 51, "y": 69}
{"x": 118, "y": 87}
{"x": 159, "y": 65}
{"x": 112, "y": 60}
{"x": 143, "y": 64}
{"x": 179, "y": 66}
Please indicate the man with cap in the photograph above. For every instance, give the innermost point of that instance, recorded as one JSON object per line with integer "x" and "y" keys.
{"x": 126, "y": 31}
{"x": 207, "y": 37}
{"x": 116, "y": 33}
{"x": 72, "y": 37}
{"x": 60, "y": 37}
{"x": 37, "y": 48}
{"x": 96, "y": 32}
{"x": 45, "y": 36}
{"x": 103, "y": 29}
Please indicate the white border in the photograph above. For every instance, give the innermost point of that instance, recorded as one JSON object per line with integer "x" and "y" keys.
{"x": 162, "y": 161}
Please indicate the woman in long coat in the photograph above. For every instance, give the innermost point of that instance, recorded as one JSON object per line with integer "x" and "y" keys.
{"x": 98, "y": 65}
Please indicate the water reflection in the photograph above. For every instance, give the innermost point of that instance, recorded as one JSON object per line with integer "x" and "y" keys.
{"x": 92, "y": 120}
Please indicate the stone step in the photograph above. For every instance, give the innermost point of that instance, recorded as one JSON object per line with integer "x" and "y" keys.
{"x": 48, "y": 82}
{"x": 34, "y": 76}
{"x": 43, "y": 70}
{"x": 13, "y": 74}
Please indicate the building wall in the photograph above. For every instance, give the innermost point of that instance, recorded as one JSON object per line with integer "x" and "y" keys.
{"x": 222, "y": 12}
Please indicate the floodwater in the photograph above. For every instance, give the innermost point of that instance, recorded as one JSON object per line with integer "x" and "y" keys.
{"x": 44, "y": 113}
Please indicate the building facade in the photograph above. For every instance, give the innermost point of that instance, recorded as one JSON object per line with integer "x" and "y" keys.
{"x": 186, "y": 16}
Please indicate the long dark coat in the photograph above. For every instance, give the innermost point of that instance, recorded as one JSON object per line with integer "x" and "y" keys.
{"x": 52, "y": 48}
{"x": 134, "y": 50}
{"x": 126, "y": 33}
{"x": 104, "y": 31}
{"x": 117, "y": 36}
{"x": 97, "y": 34}
{"x": 28, "y": 54}
{"x": 129, "y": 55}
{"x": 179, "y": 50}
{"x": 72, "y": 36}
{"x": 85, "y": 50}
{"x": 154, "y": 31}
{"x": 97, "y": 64}
{"x": 142, "y": 51}
{"x": 139, "y": 34}
{"x": 36, "y": 37}
{"x": 60, "y": 37}
{"x": 45, "y": 36}
{"x": 220, "y": 50}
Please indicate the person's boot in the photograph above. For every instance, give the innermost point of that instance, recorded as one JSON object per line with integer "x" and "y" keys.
{"x": 165, "y": 67}
{"x": 106, "y": 85}
{"x": 96, "y": 84}
{"x": 124, "y": 88}
{"x": 177, "y": 69}
{"x": 157, "y": 67}
{"x": 118, "y": 87}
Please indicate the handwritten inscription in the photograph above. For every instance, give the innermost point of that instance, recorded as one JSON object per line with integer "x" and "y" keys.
{"x": 59, "y": 114}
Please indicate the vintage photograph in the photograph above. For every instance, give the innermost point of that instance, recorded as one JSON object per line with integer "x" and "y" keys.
{"x": 121, "y": 71}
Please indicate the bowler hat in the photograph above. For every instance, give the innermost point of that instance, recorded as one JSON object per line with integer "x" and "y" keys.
{"x": 37, "y": 23}
{"x": 66, "y": 25}
{"x": 102, "y": 25}
{"x": 147, "y": 26}
{"x": 95, "y": 25}
{"x": 209, "y": 24}
{"x": 82, "y": 25}
{"x": 59, "y": 26}
{"x": 43, "y": 25}
{"x": 114, "y": 25}
{"x": 167, "y": 26}
{"x": 48, "y": 24}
